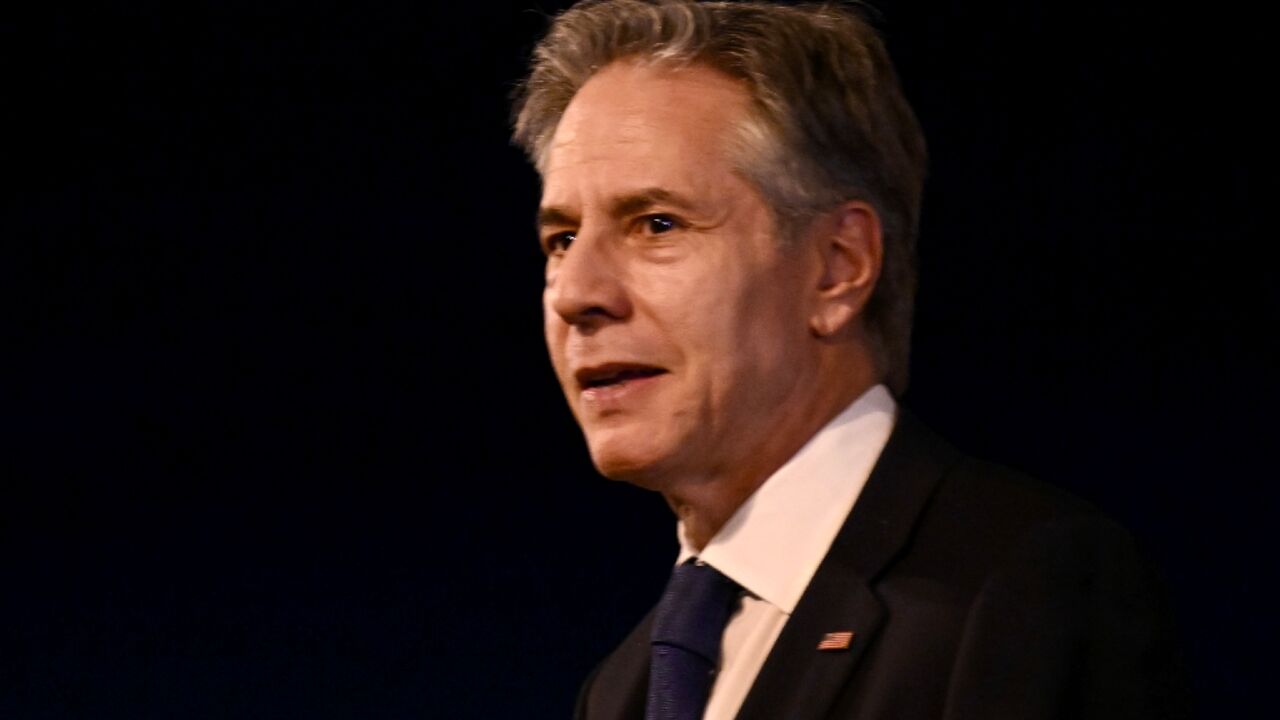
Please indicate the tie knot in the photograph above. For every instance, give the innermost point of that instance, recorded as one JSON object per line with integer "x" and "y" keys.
{"x": 694, "y": 609}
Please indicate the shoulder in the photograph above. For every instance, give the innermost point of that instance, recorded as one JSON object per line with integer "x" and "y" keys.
{"x": 976, "y": 524}
{"x": 991, "y": 518}
{"x": 1031, "y": 596}
{"x": 990, "y": 504}
{"x": 982, "y": 507}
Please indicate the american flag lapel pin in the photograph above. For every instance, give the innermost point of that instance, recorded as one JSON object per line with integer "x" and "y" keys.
{"x": 836, "y": 640}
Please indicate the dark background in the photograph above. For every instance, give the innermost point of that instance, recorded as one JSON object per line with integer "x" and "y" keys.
{"x": 281, "y": 439}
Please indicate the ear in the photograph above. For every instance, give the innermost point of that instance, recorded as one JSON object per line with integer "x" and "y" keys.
{"x": 851, "y": 248}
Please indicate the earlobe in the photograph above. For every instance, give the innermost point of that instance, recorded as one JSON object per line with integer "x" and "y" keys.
{"x": 830, "y": 319}
{"x": 850, "y": 246}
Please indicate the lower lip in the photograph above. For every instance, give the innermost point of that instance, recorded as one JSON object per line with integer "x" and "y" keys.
{"x": 610, "y": 396}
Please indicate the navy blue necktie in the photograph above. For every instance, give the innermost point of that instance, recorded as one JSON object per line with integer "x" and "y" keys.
{"x": 686, "y": 641}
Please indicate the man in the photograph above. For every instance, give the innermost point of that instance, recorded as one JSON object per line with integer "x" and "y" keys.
{"x": 729, "y": 209}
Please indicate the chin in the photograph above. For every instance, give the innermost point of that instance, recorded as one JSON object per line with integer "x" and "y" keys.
{"x": 634, "y": 470}
{"x": 642, "y": 465}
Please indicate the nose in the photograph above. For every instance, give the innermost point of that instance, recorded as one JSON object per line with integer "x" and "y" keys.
{"x": 585, "y": 284}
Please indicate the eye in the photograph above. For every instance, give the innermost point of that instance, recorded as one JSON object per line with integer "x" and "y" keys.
{"x": 658, "y": 224}
{"x": 558, "y": 243}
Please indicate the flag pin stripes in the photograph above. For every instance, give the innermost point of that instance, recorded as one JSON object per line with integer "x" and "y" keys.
{"x": 836, "y": 640}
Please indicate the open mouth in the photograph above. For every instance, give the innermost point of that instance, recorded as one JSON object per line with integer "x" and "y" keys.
{"x": 610, "y": 375}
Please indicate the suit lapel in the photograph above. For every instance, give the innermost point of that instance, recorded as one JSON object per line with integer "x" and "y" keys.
{"x": 620, "y": 685}
{"x": 798, "y": 681}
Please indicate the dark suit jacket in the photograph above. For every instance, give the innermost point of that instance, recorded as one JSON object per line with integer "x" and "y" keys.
{"x": 973, "y": 593}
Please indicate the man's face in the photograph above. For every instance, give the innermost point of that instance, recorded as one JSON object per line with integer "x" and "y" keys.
{"x": 676, "y": 321}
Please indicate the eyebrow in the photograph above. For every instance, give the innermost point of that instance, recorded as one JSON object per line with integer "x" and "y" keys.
{"x": 622, "y": 206}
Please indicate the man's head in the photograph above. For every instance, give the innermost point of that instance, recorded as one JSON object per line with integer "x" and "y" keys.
{"x": 827, "y": 121}
{"x": 730, "y": 202}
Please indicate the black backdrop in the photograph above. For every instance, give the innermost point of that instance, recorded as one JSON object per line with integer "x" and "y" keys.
{"x": 281, "y": 440}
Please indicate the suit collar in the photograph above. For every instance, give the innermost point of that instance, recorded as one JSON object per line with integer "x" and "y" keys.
{"x": 902, "y": 482}
{"x": 799, "y": 681}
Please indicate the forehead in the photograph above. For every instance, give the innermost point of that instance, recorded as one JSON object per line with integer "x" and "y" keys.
{"x": 658, "y": 125}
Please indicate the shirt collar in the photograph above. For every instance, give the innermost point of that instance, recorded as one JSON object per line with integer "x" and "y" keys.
{"x": 773, "y": 543}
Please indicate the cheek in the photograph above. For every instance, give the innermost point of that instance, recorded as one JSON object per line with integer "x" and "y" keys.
{"x": 715, "y": 334}
{"x": 760, "y": 330}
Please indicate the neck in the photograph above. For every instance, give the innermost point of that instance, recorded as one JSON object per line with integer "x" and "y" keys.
{"x": 703, "y": 514}
{"x": 705, "y": 506}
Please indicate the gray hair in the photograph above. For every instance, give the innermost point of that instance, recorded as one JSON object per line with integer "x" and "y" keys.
{"x": 829, "y": 121}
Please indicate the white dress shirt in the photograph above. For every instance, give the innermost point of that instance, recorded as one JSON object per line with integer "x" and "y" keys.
{"x": 773, "y": 544}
